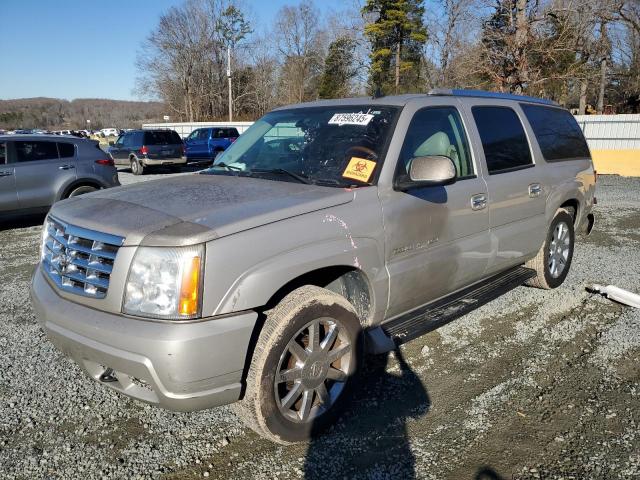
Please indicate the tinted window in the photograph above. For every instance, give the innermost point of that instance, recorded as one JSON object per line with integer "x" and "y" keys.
{"x": 437, "y": 131}
{"x": 66, "y": 150}
{"x": 161, "y": 137}
{"x": 503, "y": 139}
{"x": 557, "y": 132}
{"x": 3, "y": 153}
{"x": 226, "y": 133}
{"x": 137, "y": 139}
{"x": 30, "y": 151}
{"x": 127, "y": 140}
{"x": 120, "y": 140}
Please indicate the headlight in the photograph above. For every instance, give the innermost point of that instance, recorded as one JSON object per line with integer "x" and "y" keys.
{"x": 165, "y": 282}
{"x": 43, "y": 237}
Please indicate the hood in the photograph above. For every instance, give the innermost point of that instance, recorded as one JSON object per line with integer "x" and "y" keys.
{"x": 190, "y": 209}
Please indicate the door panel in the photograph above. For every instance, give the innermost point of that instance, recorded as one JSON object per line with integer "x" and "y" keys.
{"x": 40, "y": 174}
{"x": 119, "y": 155}
{"x": 517, "y": 197}
{"x": 436, "y": 241}
{"x": 8, "y": 195}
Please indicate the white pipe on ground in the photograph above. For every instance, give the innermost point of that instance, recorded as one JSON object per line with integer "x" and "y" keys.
{"x": 618, "y": 294}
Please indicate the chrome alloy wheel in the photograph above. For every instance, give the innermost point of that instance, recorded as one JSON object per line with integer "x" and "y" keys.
{"x": 559, "y": 249}
{"x": 313, "y": 370}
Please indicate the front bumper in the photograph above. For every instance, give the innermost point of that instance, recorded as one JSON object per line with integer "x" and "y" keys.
{"x": 178, "y": 366}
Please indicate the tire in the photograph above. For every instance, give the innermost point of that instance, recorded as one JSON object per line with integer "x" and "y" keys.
{"x": 553, "y": 261}
{"x": 311, "y": 374}
{"x": 136, "y": 167}
{"x": 81, "y": 190}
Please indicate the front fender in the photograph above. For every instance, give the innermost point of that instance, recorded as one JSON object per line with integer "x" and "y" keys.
{"x": 256, "y": 286}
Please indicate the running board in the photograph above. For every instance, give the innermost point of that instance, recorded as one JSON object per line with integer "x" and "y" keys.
{"x": 436, "y": 314}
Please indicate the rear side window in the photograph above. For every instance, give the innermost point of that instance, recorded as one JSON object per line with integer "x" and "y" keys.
{"x": 503, "y": 139}
{"x": 66, "y": 150}
{"x": 30, "y": 151}
{"x": 226, "y": 133}
{"x": 161, "y": 137}
{"x": 557, "y": 132}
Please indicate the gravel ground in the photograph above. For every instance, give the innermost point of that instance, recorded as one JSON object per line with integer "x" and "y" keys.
{"x": 537, "y": 384}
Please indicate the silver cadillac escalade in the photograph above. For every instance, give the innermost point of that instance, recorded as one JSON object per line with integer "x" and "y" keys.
{"x": 326, "y": 230}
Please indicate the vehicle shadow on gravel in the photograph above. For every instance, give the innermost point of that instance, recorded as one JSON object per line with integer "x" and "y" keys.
{"x": 22, "y": 221}
{"x": 371, "y": 440}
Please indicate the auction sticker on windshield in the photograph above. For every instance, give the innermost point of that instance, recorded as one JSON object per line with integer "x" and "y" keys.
{"x": 350, "y": 119}
{"x": 359, "y": 169}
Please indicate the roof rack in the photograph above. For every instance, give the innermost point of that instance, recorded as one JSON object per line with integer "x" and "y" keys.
{"x": 485, "y": 94}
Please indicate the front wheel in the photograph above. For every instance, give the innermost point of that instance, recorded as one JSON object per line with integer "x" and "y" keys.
{"x": 302, "y": 367}
{"x": 553, "y": 261}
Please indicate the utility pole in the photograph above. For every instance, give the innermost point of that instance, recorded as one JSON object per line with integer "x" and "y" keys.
{"x": 229, "y": 79}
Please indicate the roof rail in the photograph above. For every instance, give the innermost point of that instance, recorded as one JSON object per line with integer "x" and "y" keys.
{"x": 485, "y": 94}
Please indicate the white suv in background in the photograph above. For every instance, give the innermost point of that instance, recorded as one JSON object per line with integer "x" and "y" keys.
{"x": 110, "y": 132}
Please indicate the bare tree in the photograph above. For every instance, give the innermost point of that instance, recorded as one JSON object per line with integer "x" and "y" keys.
{"x": 299, "y": 42}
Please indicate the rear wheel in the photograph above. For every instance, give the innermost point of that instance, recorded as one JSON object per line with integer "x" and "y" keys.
{"x": 81, "y": 190}
{"x": 553, "y": 261}
{"x": 303, "y": 366}
{"x": 136, "y": 167}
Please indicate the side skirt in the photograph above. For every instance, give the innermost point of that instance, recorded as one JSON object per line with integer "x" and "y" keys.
{"x": 429, "y": 317}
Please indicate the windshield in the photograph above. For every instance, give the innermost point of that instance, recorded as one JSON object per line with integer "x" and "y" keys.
{"x": 337, "y": 145}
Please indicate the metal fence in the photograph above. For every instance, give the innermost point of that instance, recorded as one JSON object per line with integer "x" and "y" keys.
{"x": 185, "y": 128}
{"x": 611, "y": 132}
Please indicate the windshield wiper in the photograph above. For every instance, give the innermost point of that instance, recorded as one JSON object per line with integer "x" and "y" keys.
{"x": 282, "y": 171}
{"x": 227, "y": 167}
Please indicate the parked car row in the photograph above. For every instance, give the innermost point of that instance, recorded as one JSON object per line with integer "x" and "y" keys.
{"x": 145, "y": 149}
{"x": 105, "y": 132}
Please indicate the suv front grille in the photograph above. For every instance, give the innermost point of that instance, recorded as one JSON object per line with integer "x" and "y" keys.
{"x": 78, "y": 260}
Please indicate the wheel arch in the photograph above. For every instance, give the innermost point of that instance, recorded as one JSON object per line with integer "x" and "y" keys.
{"x": 345, "y": 280}
{"x": 80, "y": 182}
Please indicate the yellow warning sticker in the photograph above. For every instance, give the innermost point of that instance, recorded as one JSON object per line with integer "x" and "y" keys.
{"x": 359, "y": 169}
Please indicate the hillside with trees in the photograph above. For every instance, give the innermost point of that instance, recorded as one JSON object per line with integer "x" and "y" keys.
{"x": 57, "y": 114}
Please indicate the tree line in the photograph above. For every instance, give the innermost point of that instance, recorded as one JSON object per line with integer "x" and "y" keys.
{"x": 58, "y": 114}
{"x": 584, "y": 54}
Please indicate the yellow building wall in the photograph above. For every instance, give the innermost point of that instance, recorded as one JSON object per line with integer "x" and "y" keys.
{"x": 619, "y": 162}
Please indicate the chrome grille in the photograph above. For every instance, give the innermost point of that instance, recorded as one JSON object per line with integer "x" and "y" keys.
{"x": 78, "y": 260}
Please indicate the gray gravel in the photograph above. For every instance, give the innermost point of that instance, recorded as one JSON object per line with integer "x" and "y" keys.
{"x": 537, "y": 384}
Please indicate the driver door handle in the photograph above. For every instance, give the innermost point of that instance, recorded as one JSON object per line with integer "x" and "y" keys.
{"x": 535, "y": 189}
{"x": 479, "y": 201}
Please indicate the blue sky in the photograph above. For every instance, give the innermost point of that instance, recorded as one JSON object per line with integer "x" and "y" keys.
{"x": 86, "y": 48}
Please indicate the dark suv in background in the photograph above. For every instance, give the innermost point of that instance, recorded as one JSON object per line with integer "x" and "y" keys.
{"x": 38, "y": 170}
{"x": 207, "y": 143}
{"x": 142, "y": 149}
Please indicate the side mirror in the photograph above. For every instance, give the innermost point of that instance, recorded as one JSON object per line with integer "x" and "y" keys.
{"x": 429, "y": 171}
{"x": 111, "y": 143}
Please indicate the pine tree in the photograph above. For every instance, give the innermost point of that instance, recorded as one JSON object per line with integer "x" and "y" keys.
{"x": 339, "y": 69}
{"x": 397, "y": 36}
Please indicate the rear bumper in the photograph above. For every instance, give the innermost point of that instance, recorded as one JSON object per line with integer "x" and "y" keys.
{"x": 178, "y": 366}
{"x": 151, "y": 162}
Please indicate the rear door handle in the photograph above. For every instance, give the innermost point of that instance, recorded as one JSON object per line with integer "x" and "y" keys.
{"x": 479, "y": 201}
{"x": 6, "y": 174}
{"x": 535, "y": 189}
{"x": 66, "y": 167}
